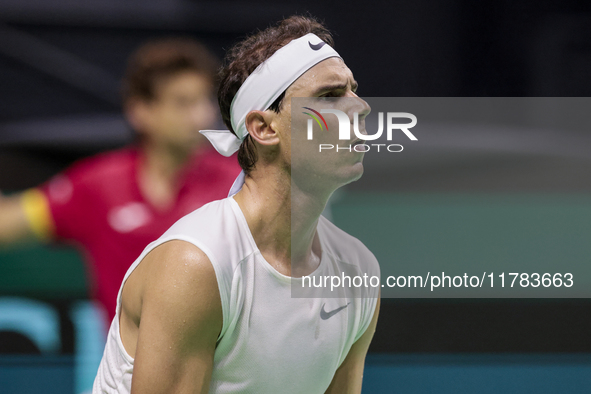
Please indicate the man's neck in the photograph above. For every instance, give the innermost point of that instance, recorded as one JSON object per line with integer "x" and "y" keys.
{"x": 158, "y": 173}
{"x": 282, "y": 220}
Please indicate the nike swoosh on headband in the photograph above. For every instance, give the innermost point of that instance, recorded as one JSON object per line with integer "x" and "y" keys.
{"x": 316, "y": 46}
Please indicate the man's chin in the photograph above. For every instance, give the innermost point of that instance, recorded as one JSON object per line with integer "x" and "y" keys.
{"x": 355, "y": 172}
{"x": 359, "y": 169}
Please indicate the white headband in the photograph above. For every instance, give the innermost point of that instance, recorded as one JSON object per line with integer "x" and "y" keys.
{"x": 266, "y": 83}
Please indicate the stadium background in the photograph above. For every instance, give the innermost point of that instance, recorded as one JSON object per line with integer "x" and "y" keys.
{"x": 60, "y": 66}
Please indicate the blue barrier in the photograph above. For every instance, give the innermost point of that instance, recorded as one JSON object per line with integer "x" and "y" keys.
{"x": 401, "y": 374}
{"x": 481, "y": 374}
{"x": 25, "y": 374}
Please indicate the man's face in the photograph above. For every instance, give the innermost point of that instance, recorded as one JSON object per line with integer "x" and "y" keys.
{"x": 182, "y": 105}
{"x": 331, "y": 79}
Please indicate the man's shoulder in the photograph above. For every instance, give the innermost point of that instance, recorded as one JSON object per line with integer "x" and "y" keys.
{"x": 218, "y": 229}
{"x": 202, "y": 243}
{"x": 175, "y": 278}
{"x": 202, "y": 221}
{"x": 177, "y": 258}
{"x": 349, "y": 256}
{"x": 343, "y": 246}
{"x": 338, "y": 238}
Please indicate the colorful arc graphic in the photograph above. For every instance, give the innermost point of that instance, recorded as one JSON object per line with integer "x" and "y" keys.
{"x": 315, "y": 118}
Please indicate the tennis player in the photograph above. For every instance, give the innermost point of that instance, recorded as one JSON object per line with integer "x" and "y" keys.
{"x": 208, "y": 307}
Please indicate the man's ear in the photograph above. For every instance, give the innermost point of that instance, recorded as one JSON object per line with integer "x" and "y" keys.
{"x": 258, "y": 124}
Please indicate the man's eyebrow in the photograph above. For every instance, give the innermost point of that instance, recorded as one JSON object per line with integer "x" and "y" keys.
{"x": 329, "y": 88}
{"x": 339, "y": 86}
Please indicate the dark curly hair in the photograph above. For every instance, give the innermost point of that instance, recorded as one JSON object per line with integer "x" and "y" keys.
{"x": 242, "y": 59}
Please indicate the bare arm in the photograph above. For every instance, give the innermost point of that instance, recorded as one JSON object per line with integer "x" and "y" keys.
{"x": 24, "y": 216}
{"x": 349, "y": 376}
{"x": 179, "y": 322}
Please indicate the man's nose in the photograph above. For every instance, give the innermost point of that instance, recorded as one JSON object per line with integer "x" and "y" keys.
{"x": 365, "y": 108}
{"x": 357, "y": 105}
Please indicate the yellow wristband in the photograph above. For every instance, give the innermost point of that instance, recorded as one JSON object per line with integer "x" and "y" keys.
{"x": 36, "y": 208}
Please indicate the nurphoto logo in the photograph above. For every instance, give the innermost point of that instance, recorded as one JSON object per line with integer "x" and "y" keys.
{"x": 345, "y": 129}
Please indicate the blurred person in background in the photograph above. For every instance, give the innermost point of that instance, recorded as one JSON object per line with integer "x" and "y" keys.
{"x": 117, "y": 202}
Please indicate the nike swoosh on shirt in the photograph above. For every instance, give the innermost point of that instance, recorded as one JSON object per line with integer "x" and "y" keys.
{"x": 324, "y": 315}
{"x": 316, "y": 47}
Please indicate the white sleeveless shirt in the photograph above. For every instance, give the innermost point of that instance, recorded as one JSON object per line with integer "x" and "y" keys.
{"x": 270, "y": 342}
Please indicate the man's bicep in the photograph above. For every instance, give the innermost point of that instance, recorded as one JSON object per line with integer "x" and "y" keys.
{"x": 181, "y": 317}
{"x": 349, "y": 376}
